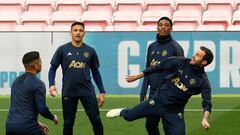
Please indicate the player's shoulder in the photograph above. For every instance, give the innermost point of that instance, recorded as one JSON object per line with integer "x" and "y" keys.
{"x": 65, "y": 45}
{"x": 36, "y": 82}
{"x": 174, "y": 42}
{"x": 179, "y": 59}
{"x": 177, "y": 47}
{"x": 88, "y": 47}
{"x": 155, "y": 43}
{"x": 28, "y": 78}
{"x": 183, "y": 59}
{"x": 34, "y": 79}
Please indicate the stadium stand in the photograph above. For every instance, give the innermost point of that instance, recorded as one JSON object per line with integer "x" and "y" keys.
{"x": 187, "y": 15}
{"x": 94, "y": 28}
{"x": 8, "y": 20}
{"x": 29, "y": 28}
{"x": 222, "y": 5}
{"x": 184, "y": 27}
{"x": 187, "y": 18}
{"x": 233, "y": 28}
{"x": 236, "y": 18}
{"x": 57, "y": 28}
{"x": 35, "y": 18}
{"x": 237, "y": 5}
{"x": 130, "y": 5}
{"x": 126, "y": 18}
{"x": 150, "y": 17}
{"x": 6, "y": 28}
{"x": 212, "y": 17}
{"x": 96, "y": 19}
{"x": 154, "y": 9}
{"x": 12, "y": 5}
{"x": 40, "y": 5}
{"x": 211, "y": 28}
{"x": 160, "y": 5}
{"x": 196, "y": 5}
{"x": 119, "y": 15}
{"x": 120, "y": 28}
{"x": 70, "y": 5}
{"x": 146, "y": 28}
{"x": 127, "y": 13}
{"x": 100, "y": 5}
{"x": 65, "y": 18}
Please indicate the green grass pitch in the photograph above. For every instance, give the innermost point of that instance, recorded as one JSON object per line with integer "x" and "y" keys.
{"x": 224, "y": 120}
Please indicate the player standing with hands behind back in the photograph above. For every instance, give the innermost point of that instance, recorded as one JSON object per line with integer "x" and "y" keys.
{"x": 77, "y": 59}
{"x": 164, "y": 47}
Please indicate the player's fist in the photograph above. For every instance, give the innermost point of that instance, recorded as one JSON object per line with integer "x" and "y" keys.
{"x": 205, "y": 124}
{"x": 43, "y": 127}
{"x": 132, "y": 78}
{"x": 53, "y": 91}
{"x": 142, "y": 98}
{"x": 101, "y": 99}
{"x": 55, "y": 119}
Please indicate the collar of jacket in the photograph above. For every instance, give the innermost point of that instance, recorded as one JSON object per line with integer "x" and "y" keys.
{"x": 199, "y": 70}
{"x": 163, "y": 39}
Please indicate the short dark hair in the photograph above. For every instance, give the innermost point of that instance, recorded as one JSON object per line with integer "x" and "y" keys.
{"x": 208, "y": 56}
{"x": 78, "y": 23}
{"x": 165, "y": 18}
{"x": 30, "y": 57}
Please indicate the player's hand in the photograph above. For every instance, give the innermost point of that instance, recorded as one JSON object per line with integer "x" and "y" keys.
{"x": 132, "y": 78}
{"x": 44, "y": 127}
{"x": 55, "y": 120}
{"x": 53, "y": 90}
{"x": 101, "y": 99}
{"x": 142, "y": 98}
{"x": 205, "y": 124}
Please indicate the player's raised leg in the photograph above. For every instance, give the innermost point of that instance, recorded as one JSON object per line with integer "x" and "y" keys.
{"x": 143, "y": 109}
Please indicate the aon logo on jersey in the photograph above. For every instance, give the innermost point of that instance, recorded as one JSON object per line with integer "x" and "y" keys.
{"x": 77, "y": 64}
{"x": 179, "y": 84}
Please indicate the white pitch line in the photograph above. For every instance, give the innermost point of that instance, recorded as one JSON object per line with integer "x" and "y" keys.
{"x": 187, "y": 110}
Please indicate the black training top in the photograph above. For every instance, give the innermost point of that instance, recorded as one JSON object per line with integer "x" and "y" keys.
{"x": 28, "y": 99}
{"x": 182, "y": 81}
{"x": 163, "y": 48}
{"x": 76, "y": 63}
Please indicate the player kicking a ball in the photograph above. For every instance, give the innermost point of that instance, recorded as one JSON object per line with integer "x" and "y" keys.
{"x": 186, "y": 78}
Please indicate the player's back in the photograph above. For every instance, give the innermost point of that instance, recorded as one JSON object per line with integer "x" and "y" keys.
{"x": 23, "y": 111}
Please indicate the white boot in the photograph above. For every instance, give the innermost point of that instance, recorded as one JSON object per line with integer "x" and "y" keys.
{"x": 114, "y": 112}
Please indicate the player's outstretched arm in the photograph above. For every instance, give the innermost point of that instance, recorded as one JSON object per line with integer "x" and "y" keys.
{"x": 205, "y": 123}
{"x": 132, "y": 78}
